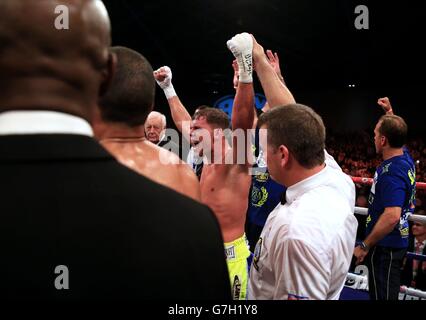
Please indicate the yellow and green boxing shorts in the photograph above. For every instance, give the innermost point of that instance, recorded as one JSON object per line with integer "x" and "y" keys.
{"x": 237, "y": 252}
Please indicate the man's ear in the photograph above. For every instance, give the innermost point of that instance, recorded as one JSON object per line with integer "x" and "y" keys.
{"x": 284, "y": 155}
{"x": 108, "y": 74}
{"x": 383, "y": 141}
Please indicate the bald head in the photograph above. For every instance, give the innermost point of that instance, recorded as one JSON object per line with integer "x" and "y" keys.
{"x": 60, "y": 69}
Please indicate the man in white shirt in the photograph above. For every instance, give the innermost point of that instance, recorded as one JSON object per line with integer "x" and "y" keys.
{"x": 155, "y": 127}
{"x": 156, "y": 132}
{"x": 305, "y": 249}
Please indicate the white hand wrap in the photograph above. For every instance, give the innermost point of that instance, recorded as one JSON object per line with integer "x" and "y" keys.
{"x": 242, "y": 47}
{"x": 166, "y": 84}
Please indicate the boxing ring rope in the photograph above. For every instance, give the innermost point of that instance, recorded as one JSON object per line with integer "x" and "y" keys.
{"x": 369, "y": 182}
{"x": 415, "y": 256}
{"x": 412, "y": 217}
{"x": 360, "y": 282}
{"x": 413, "y": 292}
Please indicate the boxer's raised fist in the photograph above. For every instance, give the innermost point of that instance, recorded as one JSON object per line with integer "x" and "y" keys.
{"x": 241, "y": 47}
{"x": 163, "y": 77}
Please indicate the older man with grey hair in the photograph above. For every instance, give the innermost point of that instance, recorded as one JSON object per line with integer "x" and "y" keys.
{"x": 155, "y": 127}
{"x": 155, "y": 131}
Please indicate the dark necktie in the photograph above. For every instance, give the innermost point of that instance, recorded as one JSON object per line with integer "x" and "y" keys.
{"x": 199, "y": 170}
{"x": 283, "y": 199}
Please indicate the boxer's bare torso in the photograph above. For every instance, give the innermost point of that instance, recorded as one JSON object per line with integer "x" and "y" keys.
{"x": 225, "y": 189}
{"x": 155, "y": 163}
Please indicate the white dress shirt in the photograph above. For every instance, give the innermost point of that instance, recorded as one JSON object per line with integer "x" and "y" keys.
{"x": 42, "y": 122}
{"x": 193, "y": 160}
{"x": 419, "y": 245}
{"x": 306, "y": 246}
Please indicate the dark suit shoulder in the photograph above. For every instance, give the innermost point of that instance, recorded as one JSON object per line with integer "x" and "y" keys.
{"x": 66, "y": 201}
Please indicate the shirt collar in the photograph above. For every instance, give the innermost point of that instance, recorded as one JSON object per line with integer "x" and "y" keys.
{"x": 162, "y": 138}
{"x": 296, "y": 190}
{"x": 42, "y": 122}
{"x": 423, "y": 243}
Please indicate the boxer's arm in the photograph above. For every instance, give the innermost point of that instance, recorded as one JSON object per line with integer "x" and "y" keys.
{"x": 180, "y": 114}
{"x": 235, "y": 82}
{"x": 243, "y": 111}
{"x": 277, "y": 94}
{"x": 274, "y": 61}
{"x": 242, "y": 120}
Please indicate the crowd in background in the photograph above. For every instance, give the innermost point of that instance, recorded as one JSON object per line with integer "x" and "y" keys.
{"x": 355, "y": 153}
{"x": 63, "y": 135}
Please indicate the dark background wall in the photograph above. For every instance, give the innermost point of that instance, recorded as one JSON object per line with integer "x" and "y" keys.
{"x": 321, "y": 51}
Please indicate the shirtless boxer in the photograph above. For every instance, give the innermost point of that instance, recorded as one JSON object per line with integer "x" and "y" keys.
{"x": 224, "y": 187}
{"x": 120, "y": 126}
